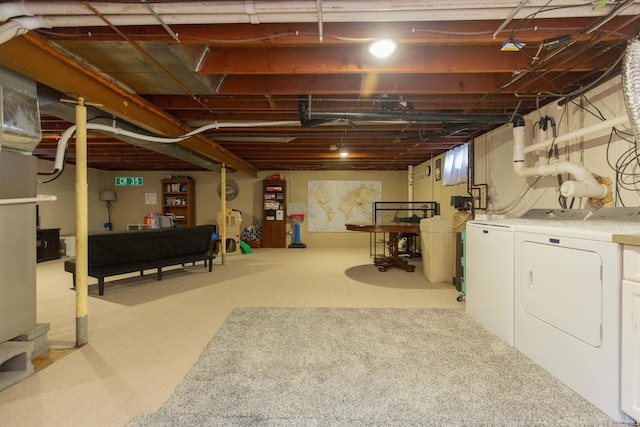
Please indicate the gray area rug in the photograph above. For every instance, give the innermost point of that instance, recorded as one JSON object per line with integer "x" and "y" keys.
{"x": 366, "y": 367}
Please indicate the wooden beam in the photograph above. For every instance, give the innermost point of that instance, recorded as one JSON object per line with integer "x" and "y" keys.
{"x": 318, "y": 60}
{"x": 369, "y": 84}
{"x": 31, "y": 56}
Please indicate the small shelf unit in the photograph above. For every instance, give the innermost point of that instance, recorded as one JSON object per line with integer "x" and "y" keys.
{"x": 178, "y": 200}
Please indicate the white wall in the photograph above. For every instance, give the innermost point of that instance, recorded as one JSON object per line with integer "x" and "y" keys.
{"x": 427, "y": 188}
{"x": 394, "y": 187}
{"x": 62, "y": 212}
{"x": 130, "y": 207}
{"x": 493, "y": 166}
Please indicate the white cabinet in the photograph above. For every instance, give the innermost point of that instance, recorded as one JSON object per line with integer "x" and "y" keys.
{"x": 630, "y": 368}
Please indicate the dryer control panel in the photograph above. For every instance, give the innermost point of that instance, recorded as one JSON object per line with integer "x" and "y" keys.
{"x": 556, "y": 214}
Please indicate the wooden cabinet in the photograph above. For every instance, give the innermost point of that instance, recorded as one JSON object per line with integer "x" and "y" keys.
{"x": 48, "y": 244}
{"x": 274, "y": 218}
{"x": 178, "y": 200}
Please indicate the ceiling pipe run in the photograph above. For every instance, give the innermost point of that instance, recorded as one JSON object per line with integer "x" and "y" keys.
{"x": 310, "y": 118}
{"x": 50, "y": 14}
{"x": 305, "y": 10}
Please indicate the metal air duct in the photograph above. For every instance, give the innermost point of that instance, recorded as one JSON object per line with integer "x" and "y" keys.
{"x": 20, "y": 130}
{"x": 50, "y": 100}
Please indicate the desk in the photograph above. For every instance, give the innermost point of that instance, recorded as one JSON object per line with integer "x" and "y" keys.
{"x": 393, "y": 228}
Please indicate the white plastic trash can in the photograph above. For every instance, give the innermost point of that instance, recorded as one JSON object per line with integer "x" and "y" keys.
{"x": 436, "y": 234}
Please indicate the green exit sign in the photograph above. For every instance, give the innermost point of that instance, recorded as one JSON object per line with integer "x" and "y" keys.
{"x": 124, "y": 181}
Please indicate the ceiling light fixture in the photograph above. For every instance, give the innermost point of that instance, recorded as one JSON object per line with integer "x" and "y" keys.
{"x": 512, "y": 46}
{"x": 382, "y": 48}
{"x": 344, "y": 153}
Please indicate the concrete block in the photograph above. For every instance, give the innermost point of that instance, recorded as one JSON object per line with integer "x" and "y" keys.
{"x": 15, "y": 362}
{"x": 37, "y": 336}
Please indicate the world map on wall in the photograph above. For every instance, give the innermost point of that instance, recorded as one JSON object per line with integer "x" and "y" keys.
{"x": 332, "y": 204}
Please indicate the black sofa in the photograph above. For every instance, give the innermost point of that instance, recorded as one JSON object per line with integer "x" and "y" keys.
{"x": 112, "y": 253}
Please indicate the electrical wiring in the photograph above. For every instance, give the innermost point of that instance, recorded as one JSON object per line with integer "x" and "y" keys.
{"x": 593, "y": 84}
{"x": 626, "y": 166}
{"x": 565, "y": 52}
{"x": 534, "y": 15}
{"x": 517, "y": 200}
{"x": 186, "y": 37}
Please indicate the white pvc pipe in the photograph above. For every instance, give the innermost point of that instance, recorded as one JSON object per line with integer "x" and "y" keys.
{"x": 585, "y": 185}
{"x": 18, "y": 26}
{"x": 19, "y": 201}
{"x": 58, "y": 163}
{"x": 607, "y": 124}
{"x": 76, "y": 14}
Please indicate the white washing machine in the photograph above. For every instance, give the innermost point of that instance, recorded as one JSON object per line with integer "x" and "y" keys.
{"x": 568, "y": 278}
{"x": 489, "y": 274}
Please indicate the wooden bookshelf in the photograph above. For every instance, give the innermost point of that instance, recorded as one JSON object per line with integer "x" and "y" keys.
{"x": 178, "y": 200}
{"x": 274, "y": 219}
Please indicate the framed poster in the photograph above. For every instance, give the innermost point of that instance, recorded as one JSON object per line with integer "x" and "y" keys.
{"x": 438, "y": 172}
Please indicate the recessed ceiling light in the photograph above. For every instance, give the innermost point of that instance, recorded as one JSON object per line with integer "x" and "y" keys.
{"x": 382, "y": 48}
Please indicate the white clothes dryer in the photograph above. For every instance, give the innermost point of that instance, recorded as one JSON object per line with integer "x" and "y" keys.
{"x": 568, "y": 278}
{"x": 489, "y": 273}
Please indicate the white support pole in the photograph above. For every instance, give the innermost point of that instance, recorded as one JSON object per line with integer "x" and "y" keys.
{"x": 223, "y": 208}
{"x": 410, "y": 190}
{"x": 82, "y": 252}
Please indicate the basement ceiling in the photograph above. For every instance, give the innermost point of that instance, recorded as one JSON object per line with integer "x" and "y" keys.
{"x": 288, "y": 85}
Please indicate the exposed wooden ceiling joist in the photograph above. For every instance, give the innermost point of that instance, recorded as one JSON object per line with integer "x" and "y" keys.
{"x": 235, "y": 73}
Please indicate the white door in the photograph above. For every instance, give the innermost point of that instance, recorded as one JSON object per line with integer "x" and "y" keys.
{"x": 563, "y": 287}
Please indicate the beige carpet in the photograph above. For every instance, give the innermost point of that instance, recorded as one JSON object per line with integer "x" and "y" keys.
{"x": 144, "y": 335}
{"x": 366, "y": 367}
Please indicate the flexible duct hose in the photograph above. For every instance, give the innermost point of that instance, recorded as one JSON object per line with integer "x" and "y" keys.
{"x": 631, "y": 84}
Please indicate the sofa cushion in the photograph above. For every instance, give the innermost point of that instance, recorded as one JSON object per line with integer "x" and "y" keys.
{"x": 186, "y": 240}
{"x": 126, "y": 247}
